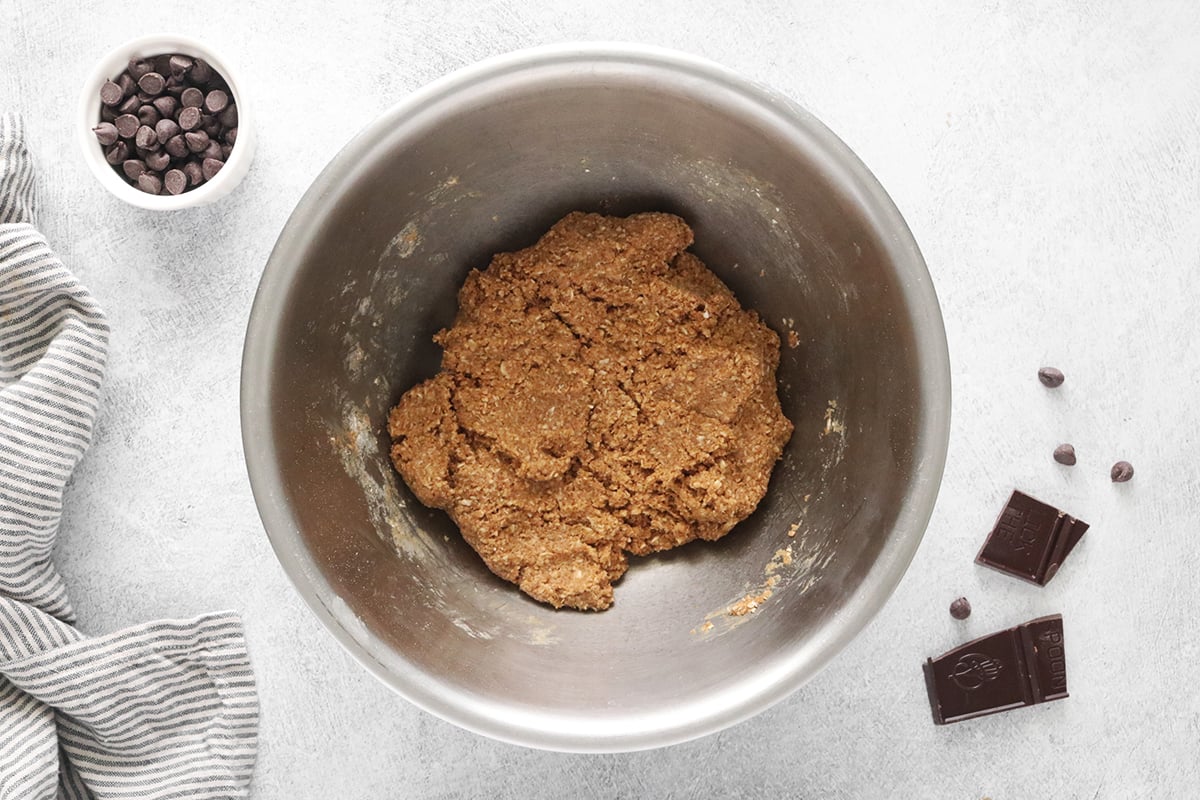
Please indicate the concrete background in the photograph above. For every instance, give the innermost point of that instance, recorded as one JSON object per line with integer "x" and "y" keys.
{"x": 1047, "y": 157}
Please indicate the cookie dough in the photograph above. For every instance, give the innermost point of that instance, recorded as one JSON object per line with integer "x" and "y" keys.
{"x": 601, "y": 393}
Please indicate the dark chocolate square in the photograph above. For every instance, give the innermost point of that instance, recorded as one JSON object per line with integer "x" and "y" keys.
{"x": 1031, "y": 539}
{"x": 1021, "y": 666}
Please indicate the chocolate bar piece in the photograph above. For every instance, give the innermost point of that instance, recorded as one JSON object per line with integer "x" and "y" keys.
{"x": 1031, "y": 539}
{"x": 1021, "y": 666}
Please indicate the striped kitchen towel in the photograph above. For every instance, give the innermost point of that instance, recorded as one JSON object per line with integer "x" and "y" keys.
{"x": 161, "y": 710}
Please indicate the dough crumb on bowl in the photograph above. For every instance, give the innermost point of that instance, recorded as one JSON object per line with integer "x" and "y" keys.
{"x": 601, "y": 393}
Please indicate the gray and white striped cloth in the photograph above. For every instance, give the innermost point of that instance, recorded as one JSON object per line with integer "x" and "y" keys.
{"x": 161, "y": 710}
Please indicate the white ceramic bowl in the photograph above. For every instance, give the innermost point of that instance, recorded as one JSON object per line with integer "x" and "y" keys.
{"x": 110, "y": 67}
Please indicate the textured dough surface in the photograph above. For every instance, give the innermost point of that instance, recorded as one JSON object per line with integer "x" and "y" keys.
{"x": 601, "y": 393}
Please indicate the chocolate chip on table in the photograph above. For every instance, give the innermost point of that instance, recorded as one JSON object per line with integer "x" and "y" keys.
{"x": 111, "y": 94}
{"x": 106, "y": 133}
{"x": 1051, "y": 377}
{"x": 1121, "y": 472}
{"x": 175, "y": 181}
{"x": 189, "y": 118}
{"x": 1065, "y": 454}
{"x": 127, "y": 125}
{"x": 960, "y": 608}
{"x": 211, "y": 167}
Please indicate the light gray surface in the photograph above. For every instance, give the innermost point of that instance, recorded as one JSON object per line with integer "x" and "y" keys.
{"x": 1048, "y": 162}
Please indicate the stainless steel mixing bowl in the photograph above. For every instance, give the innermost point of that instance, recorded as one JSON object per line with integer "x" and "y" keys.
{"x": 366, "y": 271}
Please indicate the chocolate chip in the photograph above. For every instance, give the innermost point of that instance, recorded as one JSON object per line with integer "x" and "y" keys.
{"x": 130, "y": 105}
{"x": 195, "y": 174}
{"x": 226, "y": 149}
{"x": 149, "y": 115}
{"x": 152, "y": 83}
{"x": 165, "y": 129}
{"x": 1051, "y": 377}
{"x": 1065, "y": 454}
{"x": 229, "y": 117}
{"x": 139, "y": 67}
{"x": 111, "y": 94}
{"x": 166, "y": 105}
{"x": 149, "y": 183}
{"x": 231, "y": 136}
{"x": 133, "y": 168}
{"x": 189, "y": 118}
{"x": 106, "y": 133}
{"x": 196, "y": 141}
{"x": 176, "y": 181}
{"x": 960, "y": 608}
{"x": 127, "y": 125}
{"x": 215, "y": 101}
{"x": 210, "y": 126}
{"x": 176, "y": 146}
{"x": 192, "y": 97}
{"x": 179, "y": 65}
{"x": 127, "y": 83}
{"x": 146, "y": 138}
{"x": 212, "y": 151}
{"x": 211, "y": 167}
{"x": 107, "y": 114}
{"x": 162, "y": 63}
{"x": 117, "y": 153}
{"x": 176, "y": 86}
{"x": 158, "y": 160}
{"x": 201, "y": 71}
{"x": 1122, "y": 471}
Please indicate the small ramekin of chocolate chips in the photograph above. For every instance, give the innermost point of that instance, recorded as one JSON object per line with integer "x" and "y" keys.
{"x": 164, "y": 124}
